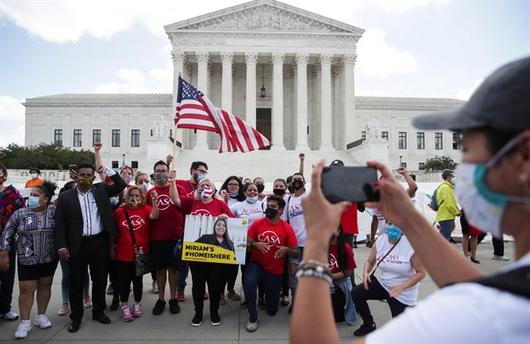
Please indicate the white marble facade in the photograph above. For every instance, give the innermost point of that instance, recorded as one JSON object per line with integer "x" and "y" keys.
{"x": 305, "y": 62}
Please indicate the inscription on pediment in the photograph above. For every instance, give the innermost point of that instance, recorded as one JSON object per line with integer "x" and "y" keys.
{"x": 263, "y": 18}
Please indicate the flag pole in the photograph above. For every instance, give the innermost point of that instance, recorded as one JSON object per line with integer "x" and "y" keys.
{"x": 173, "y": 162}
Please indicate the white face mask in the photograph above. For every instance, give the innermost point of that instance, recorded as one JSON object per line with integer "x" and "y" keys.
{"x": 484, "y": 208}
{"x": 145, "y": 186}
{"x": 34, "y": 175}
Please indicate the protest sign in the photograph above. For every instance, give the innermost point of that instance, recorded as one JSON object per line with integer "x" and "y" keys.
{"x": 201, "y": 243}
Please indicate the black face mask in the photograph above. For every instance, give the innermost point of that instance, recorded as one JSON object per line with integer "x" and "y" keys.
{"x": 298, "y": 184}
{"x": 278, "y": 192}
{"x": 271, "y": 213}
{"x": 260, "y": 187}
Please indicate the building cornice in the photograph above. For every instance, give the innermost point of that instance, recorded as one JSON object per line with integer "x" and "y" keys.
{"x": 165, "y": 99}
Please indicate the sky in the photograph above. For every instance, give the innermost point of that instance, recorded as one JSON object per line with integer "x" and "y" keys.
{"x": 416, "y": 48}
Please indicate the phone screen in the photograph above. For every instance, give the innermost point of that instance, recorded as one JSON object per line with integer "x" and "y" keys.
{"x": 349, "y": 184}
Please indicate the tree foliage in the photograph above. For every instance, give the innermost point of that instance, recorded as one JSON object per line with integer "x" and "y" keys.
{"x": 440, "y": 163}
{"x": 44, "y": 156}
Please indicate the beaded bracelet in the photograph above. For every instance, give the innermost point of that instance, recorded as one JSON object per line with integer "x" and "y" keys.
{"x": 312, "y": 262}
{"x": 317, "y": 271}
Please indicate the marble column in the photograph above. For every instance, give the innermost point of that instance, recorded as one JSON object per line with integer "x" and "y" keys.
{"x": 301, "y": 102}
{"x": 250, "y": 109}
{"x": 202, "y": 85}
{"x": 277, "y": 101}
{"x": 226, "y": 89}
{"x": 325, "y": 103}
{"x": 178, "y": 70}
{"x": 350, "y": 123}
{"x": 336, "y": 73}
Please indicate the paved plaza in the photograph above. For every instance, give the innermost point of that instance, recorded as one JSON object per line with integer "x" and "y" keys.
{"x": 168, "y": 328}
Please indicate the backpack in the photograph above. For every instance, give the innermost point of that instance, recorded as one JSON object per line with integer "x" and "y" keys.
{"x": 433, "y": 204}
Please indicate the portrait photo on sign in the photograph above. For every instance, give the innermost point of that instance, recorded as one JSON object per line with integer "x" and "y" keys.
{"x": 211, "y": 239}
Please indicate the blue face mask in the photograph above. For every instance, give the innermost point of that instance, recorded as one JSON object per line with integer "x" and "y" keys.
{"x": 33, "y": 202}
{"x": 484, "y": 207}
{"x": 200, "y": 177}
{"x": 393, "y": 232}
{"x": 252, "y": 200}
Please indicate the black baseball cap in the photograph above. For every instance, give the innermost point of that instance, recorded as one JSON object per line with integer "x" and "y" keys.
{"x": 336, "y": 163}
{"x": 501, "y": 102}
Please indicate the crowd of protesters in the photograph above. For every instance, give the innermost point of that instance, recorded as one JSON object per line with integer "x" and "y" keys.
{"x": 102, "y": 232}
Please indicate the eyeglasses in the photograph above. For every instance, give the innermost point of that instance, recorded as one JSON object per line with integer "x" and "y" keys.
{"x": 202, "y": 171}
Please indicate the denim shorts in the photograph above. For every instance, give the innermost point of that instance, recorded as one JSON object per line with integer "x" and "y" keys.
{"x": 446, "y": 228}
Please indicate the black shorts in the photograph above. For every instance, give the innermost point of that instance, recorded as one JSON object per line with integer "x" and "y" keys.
{"x": 162, "y": 256}
{"x": 34, "y": 272}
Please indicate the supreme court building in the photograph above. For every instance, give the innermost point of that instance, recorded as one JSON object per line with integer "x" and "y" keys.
{"x": 288, "y": 72}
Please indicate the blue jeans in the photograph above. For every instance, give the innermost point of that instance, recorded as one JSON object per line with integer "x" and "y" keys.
{"x": 255, "y": 275}
{"x": 446, "y": 228}
{"x": 183, "y": 274}
{"x": 65, "y": 283}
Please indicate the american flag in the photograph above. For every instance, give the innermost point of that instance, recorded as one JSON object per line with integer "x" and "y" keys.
{"x": 195, "y": 111}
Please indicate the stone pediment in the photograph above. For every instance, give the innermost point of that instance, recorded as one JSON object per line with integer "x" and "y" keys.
{"x": 265, "y": 16}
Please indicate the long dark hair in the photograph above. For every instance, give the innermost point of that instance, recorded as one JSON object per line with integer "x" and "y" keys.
{"x": 241, "y": 193}
{"x": 341, "y": 250}
{"x": 226, "y": 237}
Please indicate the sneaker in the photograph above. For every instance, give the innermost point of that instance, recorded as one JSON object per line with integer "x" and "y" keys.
{"x": 252, "y": 326}
{"x": 160, "y": 305}
{"x": 232, "y": 295}
{"x": 63, "y": 309}
{"x": 23, "y": 329}
{"x": 9, "y": 316}
{"x": 215, "y": 319}
{"x": 42, "y": 321}
{"x": 364, "y": 329}
{"x": 206, "y": 295}
{"x": 197, "y": 319}
{"x": 222, "y": 300}
{"x": 137, "y": 310}
{"x": 115, "y": 303}
{"x": 155, "y": 287}
{"x": 284, "y": 300}
{"x": 474, "y": 260}
{"x": 126, "y": 313}
{"x": 501, "y": 258}
{"x": 180, "y": 296}
{"x": 110, "y": 290}
{"x": 174, "y": 307}
{"x": 87, "y": 302}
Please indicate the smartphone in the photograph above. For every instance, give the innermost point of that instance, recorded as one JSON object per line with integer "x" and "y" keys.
{"x": 349, "y": 183}
{"x": 72, "y": 167}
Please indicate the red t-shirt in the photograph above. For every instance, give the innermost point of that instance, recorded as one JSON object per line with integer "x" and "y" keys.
{"x": 348, "y": 220}
{"x": 281, "y": 234}
{"x": 170, "y": 222}
{"x": 140, "y": 222}
{"x": 192, "y": 206}
{"x": 188, "y": 186}
{"x": 333, "y": 258}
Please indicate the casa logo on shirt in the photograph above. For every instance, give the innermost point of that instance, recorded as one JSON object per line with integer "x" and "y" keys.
{"x": 136, "y": 222}
{"x": 333, "y": 264}
{"x": 295, "y": 210}
{"x": 163, "y": 202}
{"x": 269, "y": 237}
{"x": 249, "y": 212}
{"x": 201, "y": 212}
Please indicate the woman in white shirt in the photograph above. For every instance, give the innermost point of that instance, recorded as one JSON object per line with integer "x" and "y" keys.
{"x": 251, "y": 208}
{"x": 232, "y": 191}
{"x": 398, "y": 280}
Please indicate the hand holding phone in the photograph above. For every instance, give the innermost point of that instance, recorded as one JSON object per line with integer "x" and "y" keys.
{"x": 353, "y": 184}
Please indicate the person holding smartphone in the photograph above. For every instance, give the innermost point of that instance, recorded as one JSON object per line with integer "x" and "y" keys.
{"x": 492, "y": 185}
